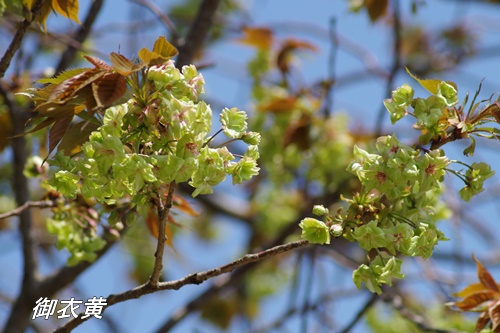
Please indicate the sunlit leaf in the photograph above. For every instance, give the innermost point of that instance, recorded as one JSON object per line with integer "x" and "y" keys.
{"x": 121, "y": 64}
{"x": 476, "y": 299}
{"x": 162, "y": 52}
{"x": 67, "y": 8}
{"x": 68, "y": 88}
{"x": 259, "y": 37}
{"x": 431, "y": 85}
{"x": 470, "y": 289}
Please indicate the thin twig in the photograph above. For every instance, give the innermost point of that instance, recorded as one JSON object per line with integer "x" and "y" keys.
{"x": 397, "y": 303}
{"x": 396, "y": 65}
{"x": 80, "y": 36}
{"x": 369, "y": 303}
{"x": 27, "y": 205}
{"x": 18, "y": 37}
{"x": 164, "y": 18}
{"x": 195, "y": 278}
{"x": 198, "y": 32}
{"x": 163, "y": 211}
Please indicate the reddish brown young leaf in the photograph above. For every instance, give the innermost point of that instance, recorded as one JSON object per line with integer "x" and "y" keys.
{"x": 66, "y": 90}
{"x": 476, "y": 299}
{"x": 494, "y": 314}
{"x": 76, "y": 135}
{"x": 484, "y": 276}
{"x": 482, "y": 321}
{"x": 285, "y": 53}
{"x": 121, "y": 64}
{"x": 98, "y": 63}
{"x": 108, "y": 89}
{"x": 58, "y": 130}
{"x": 376, "y": 8}
{"x": 184, "y": 206}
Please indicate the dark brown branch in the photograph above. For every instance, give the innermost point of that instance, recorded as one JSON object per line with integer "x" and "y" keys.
{"x": 80, "y": 36}
{"x": 198, "y": 32}
{"x": 163, "y": 211}
{"x": 396, "y": 65}
{"x": 18, "y": 319}
{"x": 195, "y": 278}
{"x": 18, "y": 37}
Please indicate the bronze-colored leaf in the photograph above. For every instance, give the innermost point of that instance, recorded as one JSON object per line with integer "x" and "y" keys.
{"x": 66, "y": 90}
{"x": 58, "y": 130}
{"x": 476, "y": 299}
{"x": 376, "y": 8}
{"x": 76, "y": 135}
{"x": 470, "y": 289}
{"x": 98, "y": 63}
{"x": 482, "y": 321}
{"x": 484, "y": 276}
{"x": 121, "y": 64}
{"x": 108, "y": 89}
{"x": 183, "y": 205}
{"x": 494, "y": 314}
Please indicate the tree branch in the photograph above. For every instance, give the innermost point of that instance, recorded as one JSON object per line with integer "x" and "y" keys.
{"x": 80, "y": 36}
{"x": 17, "y": 322}
{"x": 369, "y": 303}
{"x": 27, "y": 205}
{"x": 396, "y": 65}
{"x": 18, "y": 37}
{"x": 198, "y": 32}
{"x": 195, "y": 278}
{"x": 164, "y": 18}
{"x": 163, "y": 211}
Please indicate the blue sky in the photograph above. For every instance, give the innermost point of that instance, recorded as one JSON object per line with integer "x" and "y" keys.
{"x": 290, "y": 18}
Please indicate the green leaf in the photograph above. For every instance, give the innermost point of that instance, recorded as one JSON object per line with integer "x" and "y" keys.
{"x": 431, "y": 85}
{"x": 315, "y": 231}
